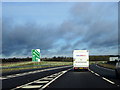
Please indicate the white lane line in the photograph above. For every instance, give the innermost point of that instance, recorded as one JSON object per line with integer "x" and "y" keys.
{"x": 104, "y": 68}
{"x": 32, "y": 86}
{"x": 41, "y": 81}
{"x": 46, "y": 78}
{"x": 32, "y": 72}
{"x": 92, "y": 72}
{"x": 97, "y": 74}
{"x": 108, "y": 80}
{"x": 2, "y": 78}
{"x": 63, "y": 72}
{"x": 51, "y": 76}
{"x": 17, "y": 74}
{"x": 10, "y": 76}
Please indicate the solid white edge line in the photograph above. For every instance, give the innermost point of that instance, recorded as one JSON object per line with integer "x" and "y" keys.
{"x": 22, "y": 74}
{"x": 63, "y": 72}
{"x": 108, "y": 80}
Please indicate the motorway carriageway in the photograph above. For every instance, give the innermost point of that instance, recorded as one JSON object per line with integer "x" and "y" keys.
{"x": 64, "y": 77}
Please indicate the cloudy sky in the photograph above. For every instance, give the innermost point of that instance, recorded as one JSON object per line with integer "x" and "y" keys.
{"x": 57, "y": 28}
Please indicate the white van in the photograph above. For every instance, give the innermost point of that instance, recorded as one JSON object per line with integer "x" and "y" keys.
{"x": 80, "y": 59}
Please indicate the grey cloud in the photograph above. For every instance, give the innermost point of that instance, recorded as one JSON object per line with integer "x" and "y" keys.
{"x": 101, "y": 20}
{"x": 0, "y": 36}
{"x": 27, "y": 37}
{"x": 91, "y": 26}
{"x": 102, "y": 34}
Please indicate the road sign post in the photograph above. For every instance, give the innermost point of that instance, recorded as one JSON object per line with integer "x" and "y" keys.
{"x": 36, "y": 55}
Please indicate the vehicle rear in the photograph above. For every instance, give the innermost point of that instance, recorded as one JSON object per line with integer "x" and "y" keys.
{"x": 80, "y": 59}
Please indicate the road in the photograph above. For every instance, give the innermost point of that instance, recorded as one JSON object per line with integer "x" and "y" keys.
{"x": 96, "y": 77}
{"x": 15, "y": 80}
{"x": 80, "y": 80}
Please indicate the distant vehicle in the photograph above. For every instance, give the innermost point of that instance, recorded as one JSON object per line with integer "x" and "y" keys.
{"x": 117, "y": 69}
{"x": 80, "y": 59}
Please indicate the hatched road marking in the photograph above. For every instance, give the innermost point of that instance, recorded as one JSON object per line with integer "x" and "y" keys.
{"x": 41, "y": 83}
{"x": 32, "y": 86}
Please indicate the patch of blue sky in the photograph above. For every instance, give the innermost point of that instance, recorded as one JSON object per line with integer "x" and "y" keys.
{"x": 42, "y": 13}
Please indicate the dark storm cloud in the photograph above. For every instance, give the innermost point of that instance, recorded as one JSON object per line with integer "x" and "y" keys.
{"x": 101, "y": 20}
{"x": 24, "y": 38}
{"x": 91, "y": 26}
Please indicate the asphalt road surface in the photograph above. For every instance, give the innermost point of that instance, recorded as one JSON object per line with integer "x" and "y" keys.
{"x": 80, "y": 79}
{"x": 13, "y": 82}
{"x": 96, "y": 77}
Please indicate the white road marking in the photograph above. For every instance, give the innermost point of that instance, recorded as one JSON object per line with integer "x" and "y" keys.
{"x": 92, "y": 72}
{"x": 97, "y": 74}
{"x": 31, "y": 72}
{"x": 105, "y": 68}
{"x": 104, "y": 78}
{"x": 25, "y": 85}
{"x": 53, "y": 79}
{"x": 10, "y": 76}
{"x": 108, "y": 80}
{"x": 51, "y": 76}
{"x": 2, "y": 78}
{"x": 41, "y": 80}
{"x": 64, "y": 71}
{"x": 46, "y": 78}
{"x": 32, "y": 86}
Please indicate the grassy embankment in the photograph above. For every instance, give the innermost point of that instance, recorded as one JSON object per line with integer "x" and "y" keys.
{"x": 32, "y": 65}
{"x": 103, "y": 64}
{"x": 110, "y": 66}
{"x": 106, "y": 65}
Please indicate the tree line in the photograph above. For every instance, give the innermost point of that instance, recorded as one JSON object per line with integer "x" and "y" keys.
{"x": 64, "y": 59}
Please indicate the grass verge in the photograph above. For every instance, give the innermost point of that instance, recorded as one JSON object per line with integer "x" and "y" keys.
{"x": 110, "y": 66}
{"x": 33, "y": 65}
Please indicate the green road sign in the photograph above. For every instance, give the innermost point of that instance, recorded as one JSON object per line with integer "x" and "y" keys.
{"x": 36, "y": 55}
